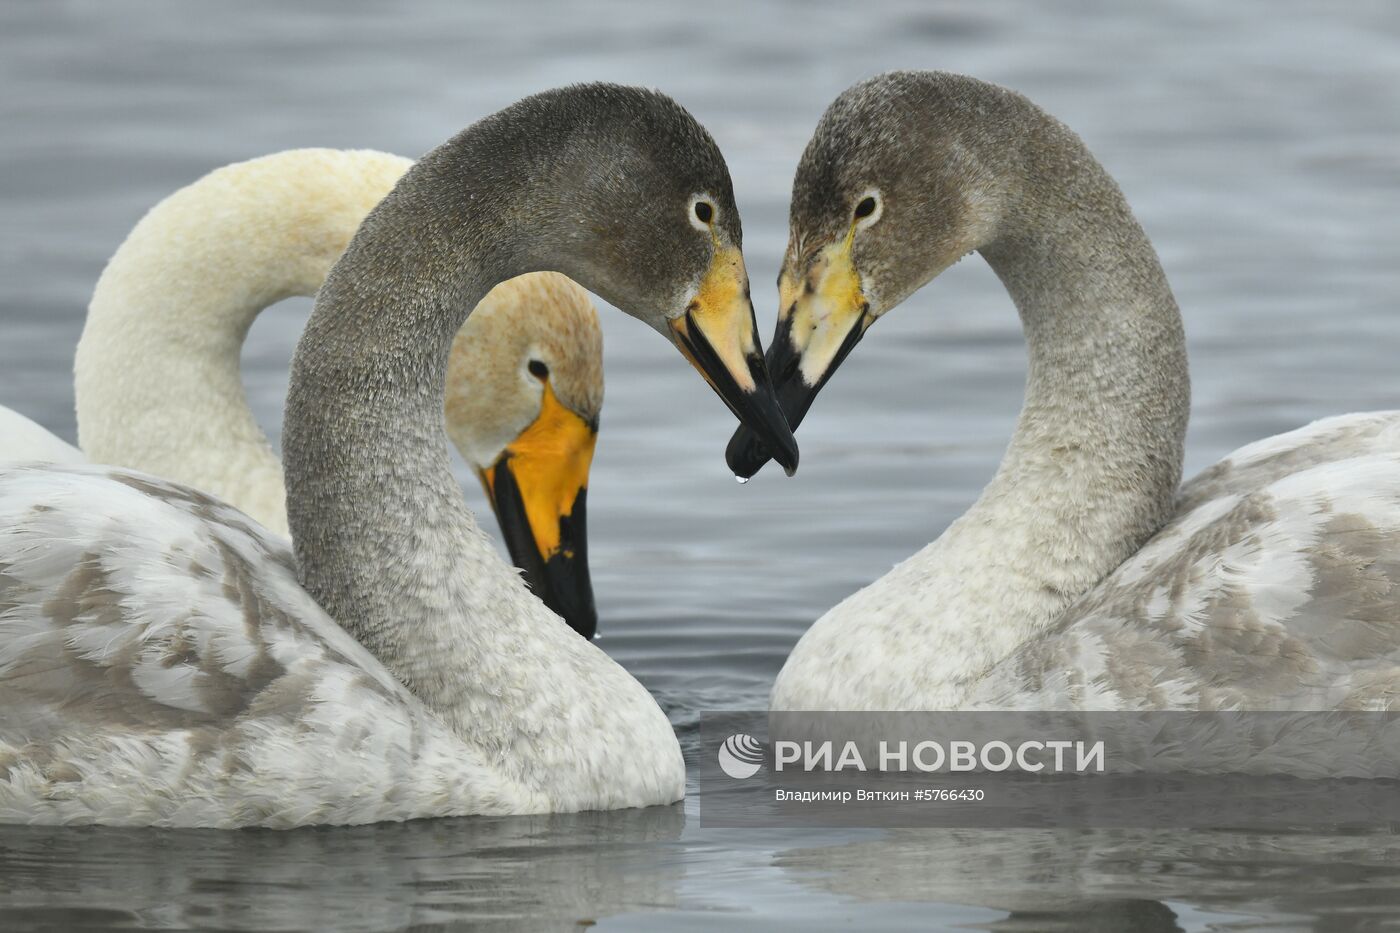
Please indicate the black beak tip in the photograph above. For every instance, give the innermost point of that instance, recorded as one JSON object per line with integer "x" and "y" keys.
{"x": 777, "y": 443}
{"x": 584, "y": 621}
{"x": 786, "y": 453}
{"x": 771, "y": 433}
{"x": 565, "y": 587}
{"x": 788, "y": 460}
{"x": 746, "y": 454}
{"x": 755, "y": 405}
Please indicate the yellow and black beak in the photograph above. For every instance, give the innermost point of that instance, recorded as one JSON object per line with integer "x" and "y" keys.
{"x": 719, "y": 335}
{"x": 822, "y": 317}
{"x": 538, "y": 487}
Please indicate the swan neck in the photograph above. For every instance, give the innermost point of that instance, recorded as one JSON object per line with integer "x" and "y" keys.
{"x": 383, "y": 538}
{"x": 1107, "y": 387}
{"x": 157, "y": 376}
{"x": 1095, "y": 460}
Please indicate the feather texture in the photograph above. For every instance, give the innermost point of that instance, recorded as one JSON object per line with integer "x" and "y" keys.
{"x": 160, "y": 665}
{"x": 1276, "y": 585}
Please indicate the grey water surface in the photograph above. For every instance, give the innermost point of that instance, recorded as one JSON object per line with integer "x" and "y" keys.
{"x": 1260, "y": 145}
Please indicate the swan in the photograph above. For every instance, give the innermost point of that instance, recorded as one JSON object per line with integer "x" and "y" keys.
{"x": 157, "y": 367}
{"x": 1082, "y": 578}
{"x": 165, "y": 661}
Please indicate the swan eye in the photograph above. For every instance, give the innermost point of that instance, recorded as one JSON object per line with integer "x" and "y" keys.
{"x": 539, "y": 370}
{"x": 865, "y": 208}
{"x": 704, "y": 211}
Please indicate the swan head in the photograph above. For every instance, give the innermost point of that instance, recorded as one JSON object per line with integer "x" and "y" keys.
{"x": 633, "y": 200}
{"x": 895, "y": 185}
{"x": 524, "y": 394}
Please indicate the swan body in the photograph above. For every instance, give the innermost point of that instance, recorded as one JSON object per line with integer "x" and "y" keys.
{"x": 1083, "y": 577}
{"x": 160, "y": 665}
{"x": 165, "y": 661}
{"x": 1269, "y": 588}
{"x": 1273, "y": 586}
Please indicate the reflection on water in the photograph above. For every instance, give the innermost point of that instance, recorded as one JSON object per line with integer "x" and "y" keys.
{"x": 1260, "y": 146}
{"x": 1119, "y": 879}
{"x": 564, "y": 872}
{"x": 555, "y": 870}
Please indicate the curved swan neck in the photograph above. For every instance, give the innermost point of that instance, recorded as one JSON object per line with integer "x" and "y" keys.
{"x": 1096, "y": 457}
{"x": 383, "y": 537}
{"x": 1094, "y": 462}
{"x": 157, "y": 377}
{"x": 1107, "y": 388}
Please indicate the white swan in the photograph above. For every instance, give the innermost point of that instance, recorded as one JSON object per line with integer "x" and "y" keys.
{"x": 164, "y": 661}
{"x": 1080, "y": 578}
{"x": 156, "y": 374}
{"x": 157, "y": 369}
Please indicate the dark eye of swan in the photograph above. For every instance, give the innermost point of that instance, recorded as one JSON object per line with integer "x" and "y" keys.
{"x": 704, "y": 212}
{"x": 539, "y": 370}
{"x": 865, "y": 208}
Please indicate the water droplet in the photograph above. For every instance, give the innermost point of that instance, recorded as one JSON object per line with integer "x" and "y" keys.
{"x": 741, "y": 480}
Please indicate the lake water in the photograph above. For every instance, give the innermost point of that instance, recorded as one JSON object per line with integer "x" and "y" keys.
{"x": 1260, "y": 145}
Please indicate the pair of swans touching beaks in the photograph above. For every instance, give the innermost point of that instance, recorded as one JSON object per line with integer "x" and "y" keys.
{"x": 164, "y": 660}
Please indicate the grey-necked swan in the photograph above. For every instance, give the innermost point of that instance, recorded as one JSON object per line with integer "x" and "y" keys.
{"x": 1082, "y": 577}
{"x": 165, "y": 661}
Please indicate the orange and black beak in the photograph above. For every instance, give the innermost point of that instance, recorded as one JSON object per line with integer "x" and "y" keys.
{"x": 719, "y": 335}
{"x": 822, "y": 317}
{"x": 538, "y": 488}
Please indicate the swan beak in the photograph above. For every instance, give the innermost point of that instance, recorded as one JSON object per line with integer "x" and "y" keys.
{"x": 719, "y": 335}
{"x": 538, "y": 488}
{"x": 821, "y": 318}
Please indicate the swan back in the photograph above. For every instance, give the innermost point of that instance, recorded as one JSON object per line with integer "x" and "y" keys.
{"x": 1273, "y": 587}
{"x": 23, "y": 440}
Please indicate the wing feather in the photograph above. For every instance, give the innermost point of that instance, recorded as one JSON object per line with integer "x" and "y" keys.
{"x": 160, "y": 664}
{"x": 1276, "y": 586}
